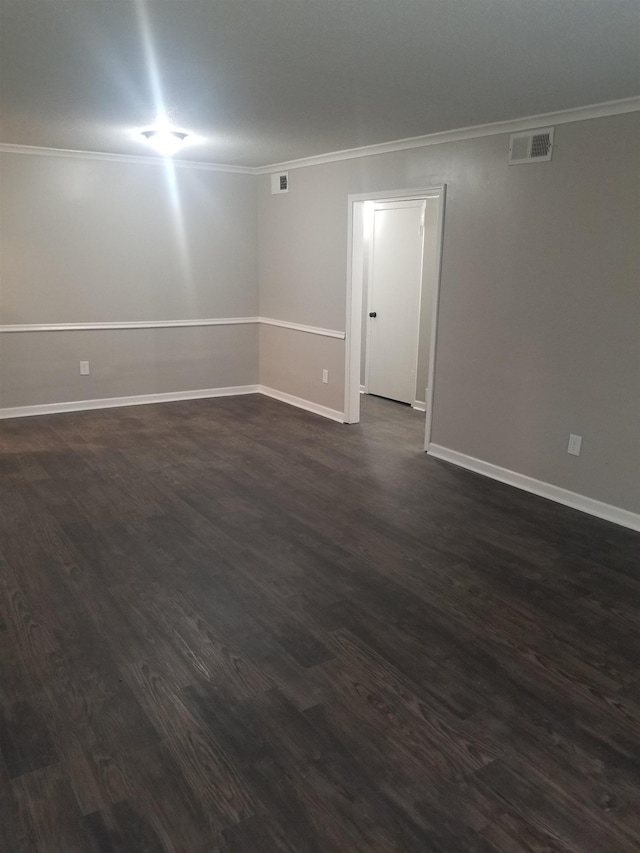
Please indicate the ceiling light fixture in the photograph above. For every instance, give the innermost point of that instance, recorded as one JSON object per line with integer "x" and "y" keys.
{"x": 165, "y": 142}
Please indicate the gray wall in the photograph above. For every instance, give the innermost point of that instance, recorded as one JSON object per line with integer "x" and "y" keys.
{"x": 43, "y": 367}
{"x": 539, "y": 323}
{"x": 85, "y": 241}
{"x": 282, "y": 351}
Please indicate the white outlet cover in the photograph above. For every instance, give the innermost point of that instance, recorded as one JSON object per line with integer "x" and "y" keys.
{"x": 575, "y": 444}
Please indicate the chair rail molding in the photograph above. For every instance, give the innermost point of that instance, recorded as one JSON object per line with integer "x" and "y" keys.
{"x": 15, "y": 328}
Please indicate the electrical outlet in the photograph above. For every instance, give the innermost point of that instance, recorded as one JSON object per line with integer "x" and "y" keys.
{"x": 325, "y": 376}
{"x": 575, "y": 443}
{"x": 84, "y": 368}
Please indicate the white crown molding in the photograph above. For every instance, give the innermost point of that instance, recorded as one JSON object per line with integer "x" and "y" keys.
{"x": 117, "y": 402}
{"x": 298, "y": 327}
{"x": 15, "y": 328}
{"x": 135, "y": 159}
{"x": 300, "y": 403}
{"x": 609, "y": 108}
{"x": 537, "y": 487}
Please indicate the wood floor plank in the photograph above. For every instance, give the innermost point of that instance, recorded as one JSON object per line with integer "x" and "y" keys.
{"x": 546, "y": 812}
{"x": 231, "y": 626}
{"x": 584, "y": 772}
{"x": 25, "y": 737}
{"x": 48, "y": 806}
{"x": 15, "y": 830}
{"x": 154, "y": 806}
{"x": 203, "y": 760}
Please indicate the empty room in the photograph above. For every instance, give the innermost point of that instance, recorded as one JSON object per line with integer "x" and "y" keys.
{"x": 319, "y": 426}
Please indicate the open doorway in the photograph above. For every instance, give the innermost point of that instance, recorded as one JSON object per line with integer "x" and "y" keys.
{"x": 395, "y": 241}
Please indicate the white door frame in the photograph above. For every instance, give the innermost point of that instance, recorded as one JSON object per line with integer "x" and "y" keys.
{"x": 355, "y": 273}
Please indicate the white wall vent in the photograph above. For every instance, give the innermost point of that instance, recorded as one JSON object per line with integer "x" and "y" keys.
{"x": 532, "y": 146}
{"x": 280, "y": 183}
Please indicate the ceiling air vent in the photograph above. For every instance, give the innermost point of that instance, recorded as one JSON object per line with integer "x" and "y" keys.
{"x": 280, "y": 183}
{"x": 531, "y": 146}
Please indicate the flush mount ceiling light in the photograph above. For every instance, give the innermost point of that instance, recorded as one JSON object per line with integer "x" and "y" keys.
{"x": 165, "y": 142}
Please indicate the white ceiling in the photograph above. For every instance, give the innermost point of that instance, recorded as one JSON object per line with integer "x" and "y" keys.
{"x": 264, "y": 81}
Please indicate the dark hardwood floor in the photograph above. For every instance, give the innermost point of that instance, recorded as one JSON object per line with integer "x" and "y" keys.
{"x": 230, "y": 625}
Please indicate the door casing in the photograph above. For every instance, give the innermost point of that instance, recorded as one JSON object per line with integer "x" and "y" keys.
{"x": 355, "y": 289}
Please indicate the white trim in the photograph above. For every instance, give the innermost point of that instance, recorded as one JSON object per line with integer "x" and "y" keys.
{"x": 538, "y": 487}
{"x": 135, "y": 159}
{"x": 354, "y": 293}
{"x": 435, "y": 311}
{"x": 363, "y": 390}
{"x": 300, "y": 403}
{"x": 368, "y": 239}
{"x": 609, "y": 108}
{"x": 419, "y": 405}
{"x": 298, "y": 327}
{"x": 132, "y": 324}
{"x": 166, "y": 324}
{"x": 170, "y": 397}
{"x": 353, "y": 313}
{"x": 117, "y": 402}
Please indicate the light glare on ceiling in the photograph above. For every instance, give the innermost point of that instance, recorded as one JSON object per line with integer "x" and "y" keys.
{"x": 166, "y": 142}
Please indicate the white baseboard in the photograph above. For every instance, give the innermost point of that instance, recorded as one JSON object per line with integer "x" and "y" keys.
{"x": 362, "y": 389}
{"x": 307, "y": 405}
{"x": 512, "y": 478}
{"x": 537, "y": 487}
{"x": 116, "y": 402}
{"x": 170, "y": 397}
